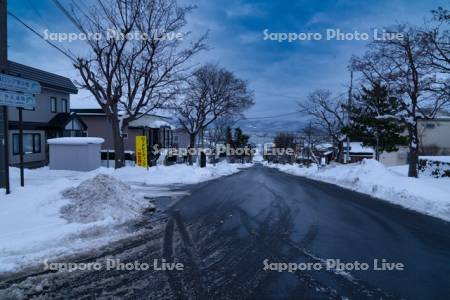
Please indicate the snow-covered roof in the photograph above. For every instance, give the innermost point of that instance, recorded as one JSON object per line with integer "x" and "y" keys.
{"x": 75, "y": 141}
{"x": 323, "y": 146}
{"x": 357, "y": 147}
{"x": 151, "y": 122}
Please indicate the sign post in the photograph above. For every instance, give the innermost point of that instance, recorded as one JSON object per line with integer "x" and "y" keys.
{"x": 141, "y": 151}
{"x": 4, "y": 162}
{"x": 22, "y": 180}
{"x": 15, "y": 92}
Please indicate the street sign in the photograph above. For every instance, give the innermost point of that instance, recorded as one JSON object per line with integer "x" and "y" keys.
{"x": 141, "y": 151}
{"x": 17, "y": 84}
{"x": 16, "y": 99}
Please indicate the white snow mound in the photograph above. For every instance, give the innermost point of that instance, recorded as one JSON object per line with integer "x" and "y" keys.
{"x": 99, "y": 198}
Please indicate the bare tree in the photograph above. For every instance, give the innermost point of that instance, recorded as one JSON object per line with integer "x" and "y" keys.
{"x": 436, "y": 42}
{"x": 211, "y": 92}
{"x": 216, "y": 132}
{"x": 327, "y": 114}
{"x": 401, "y": 64}
{"x": 136, "y": 59}
{"x": 311, "y": 136}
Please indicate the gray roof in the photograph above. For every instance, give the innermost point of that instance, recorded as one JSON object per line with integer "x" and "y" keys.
{"x": 46, "y": 79}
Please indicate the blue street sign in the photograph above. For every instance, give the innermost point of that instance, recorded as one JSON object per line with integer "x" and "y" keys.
{"x": 17, "y": 84}
{"x": 17, "y": 99}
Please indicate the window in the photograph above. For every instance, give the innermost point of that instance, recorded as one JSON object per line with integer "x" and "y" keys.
{"x": 430, "y": 125}
{"x": 53, "y": 104}
{"x": 64, "y": 107}
{"x": 125, "y": 136}
{"x": 31, "y": 143}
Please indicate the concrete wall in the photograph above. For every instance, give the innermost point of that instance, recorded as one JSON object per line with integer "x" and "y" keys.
{"x": 43, "y": 112}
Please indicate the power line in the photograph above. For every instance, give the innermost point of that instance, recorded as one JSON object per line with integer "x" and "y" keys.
{"x": 30, "y": 3}
{"x": 41, "y": 36}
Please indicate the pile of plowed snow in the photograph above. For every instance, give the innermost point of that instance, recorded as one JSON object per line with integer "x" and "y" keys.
{"x": 99, "y": 198}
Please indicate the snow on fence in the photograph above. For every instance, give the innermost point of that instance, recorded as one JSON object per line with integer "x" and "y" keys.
{"x": 435, "y": 166}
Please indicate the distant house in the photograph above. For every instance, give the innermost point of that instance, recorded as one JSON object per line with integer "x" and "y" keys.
{"x": 325, "y": 153}
{"x": 434, "y": 139}
{"x": 159, "y": 129}
{"x": 49, "y": 119}
{"x": 358, "y": 152}
{"x": 434, "y": 135}
{"x": 181, "y": 139}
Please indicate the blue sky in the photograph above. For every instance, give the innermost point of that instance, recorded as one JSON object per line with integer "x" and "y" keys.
{"x": 281, "y": 74}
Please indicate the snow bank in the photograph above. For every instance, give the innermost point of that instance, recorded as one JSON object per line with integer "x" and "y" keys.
{"x": 61, "y": 212}
{"x": 426, "y": 195}
{"x": 100, "y": 198}
{"x": 176, "y": 174}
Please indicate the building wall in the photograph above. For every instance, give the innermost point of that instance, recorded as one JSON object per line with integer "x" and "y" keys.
{"x": 99, "y": 126}
{"x": 28, "y": 158}
{"x": 435, "y": 136}
{"x": 395, "y": 158}
{"x": 181, "y": 138}
{"x": 42, "y": 112}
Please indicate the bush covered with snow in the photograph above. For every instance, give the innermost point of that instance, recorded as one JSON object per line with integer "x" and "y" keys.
{"x": 434, "y": 166}
{"x": 99, "y": 198}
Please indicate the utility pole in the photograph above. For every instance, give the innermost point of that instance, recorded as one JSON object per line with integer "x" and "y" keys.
{"x": 4, "y": 155}
{"x": 349, "y": 105}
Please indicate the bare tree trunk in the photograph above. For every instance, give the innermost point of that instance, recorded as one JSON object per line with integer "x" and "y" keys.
{"x": 191, "y": 146}
{"x": 413, "y": 152}
{"x": 340, "y": 151}
{"x": 119, "y": 149}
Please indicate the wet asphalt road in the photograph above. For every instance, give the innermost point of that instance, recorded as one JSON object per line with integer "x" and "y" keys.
{"x": 226, "y": 228}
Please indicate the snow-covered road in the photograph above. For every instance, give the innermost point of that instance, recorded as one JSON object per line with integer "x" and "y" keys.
{"x": 225, "y": 230}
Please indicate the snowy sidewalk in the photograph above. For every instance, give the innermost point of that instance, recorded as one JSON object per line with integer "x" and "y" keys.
{"x": 427, "y": 195}
{"x": 32, "y": 227}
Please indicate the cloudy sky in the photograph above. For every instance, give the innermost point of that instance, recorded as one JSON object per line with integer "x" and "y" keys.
{"x": 280, "y": 73}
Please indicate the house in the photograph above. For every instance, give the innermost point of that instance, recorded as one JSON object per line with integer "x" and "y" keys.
{"x": 181, "y": 139}
{"x": 325, "y": 153}
{"x": 157, "y": 127}
{"x": 359, "y": 152}
{"x": 434, "y": 135}
{"x": 49, "y": 119}
{"x": 434, "y": 139}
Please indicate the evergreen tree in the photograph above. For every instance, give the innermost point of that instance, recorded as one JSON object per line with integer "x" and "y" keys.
{"x": 240, "y": 139}
{"x": 383, "y": 134}
{"x": 229, "y": 137}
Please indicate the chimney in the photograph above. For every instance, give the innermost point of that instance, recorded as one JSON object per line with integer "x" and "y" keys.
{"x": 3, "y": 37}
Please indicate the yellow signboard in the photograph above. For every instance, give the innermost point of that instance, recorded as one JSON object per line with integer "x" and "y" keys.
{"x": 141, "y": 151}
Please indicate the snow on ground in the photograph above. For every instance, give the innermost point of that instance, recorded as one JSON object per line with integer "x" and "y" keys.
{"x": 99, "y": 198}
{"x": 59, "y": 213}
{"x": 426, "y": 195}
